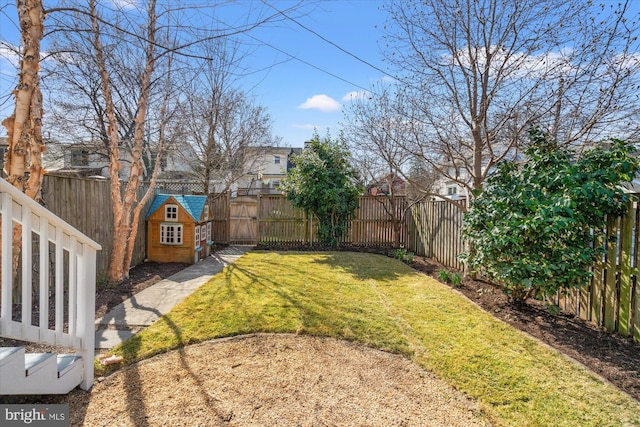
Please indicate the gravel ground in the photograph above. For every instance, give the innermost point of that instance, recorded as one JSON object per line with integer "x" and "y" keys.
{"x": 267, "y": 379}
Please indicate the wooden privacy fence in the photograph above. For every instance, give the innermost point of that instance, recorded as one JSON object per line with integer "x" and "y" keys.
{"x": 434, "y": 231}
{"x": 86, "y": 205}
{"x": 612, "y": 300}
{"x": 219, "y": 214}
{"x": 280, "y": 223}
{"x": 373, "y": 225}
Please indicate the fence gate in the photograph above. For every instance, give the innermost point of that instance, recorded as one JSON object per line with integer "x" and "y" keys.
{"x": 244, "y": 220}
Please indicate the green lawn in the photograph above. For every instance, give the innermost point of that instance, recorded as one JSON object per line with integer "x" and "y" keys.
{"x": 383, "y": 303}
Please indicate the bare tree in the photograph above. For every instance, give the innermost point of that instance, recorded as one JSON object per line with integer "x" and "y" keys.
{"x": 477, "y": 75}
{"x": 376, "y": 132}
{"x": 222, "y": 124}
{"x": 227, "y": 136}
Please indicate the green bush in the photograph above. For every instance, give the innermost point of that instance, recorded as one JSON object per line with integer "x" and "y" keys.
{"x": 456, "y": 280}
{"x": 324, "y": 182}
{"x": 400, "y": 253}
{"x": 444, "y": 276}
{"x": 531, "y": 229}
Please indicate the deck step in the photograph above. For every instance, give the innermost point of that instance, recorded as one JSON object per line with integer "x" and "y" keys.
{"x": 7, "y": 354}
{"x": 66, "y": 362}
{"x": 38, "y": 373}
{"x": 33, "y": 362}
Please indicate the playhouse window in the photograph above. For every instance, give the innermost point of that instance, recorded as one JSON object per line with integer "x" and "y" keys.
{"x": 171, "y": 212}
{"x": 206, "y": 212}
{"x": 209, "y": 231}
{"x": 197, "y": 236}
{"x": 171, "y": 234}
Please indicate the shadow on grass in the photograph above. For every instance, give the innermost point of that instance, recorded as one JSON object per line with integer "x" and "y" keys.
{"x": 275, "y": 304}
{"x": 340, "y": 310}
{"x": 365, "y": 266}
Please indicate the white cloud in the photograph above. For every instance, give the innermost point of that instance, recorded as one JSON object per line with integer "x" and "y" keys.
{"x": 321, "y": 102}
{"x": 124, "y": 4}
{"x": 10, "y": 54}
{"x": 518, "y": 65}
{"x": 356, "y": 95}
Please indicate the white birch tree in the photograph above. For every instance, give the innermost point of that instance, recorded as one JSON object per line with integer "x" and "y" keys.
{"x": 23, "y": 159}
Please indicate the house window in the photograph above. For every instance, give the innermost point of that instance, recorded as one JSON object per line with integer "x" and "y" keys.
{"x": 171, "y": 234}
{"x": 171, "y": 212}
{"x": 451, "y": 191}
{"x": 209, "y": 231}
{"x": 206, "y": 212}
{"x": 276, "y": 160}
{"x": 197, "y": 236}
{"x": 275, "y": 183}
{"x": 79, "y": 157}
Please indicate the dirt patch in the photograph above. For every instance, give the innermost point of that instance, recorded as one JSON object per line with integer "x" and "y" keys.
{"x": 262, "y": 380}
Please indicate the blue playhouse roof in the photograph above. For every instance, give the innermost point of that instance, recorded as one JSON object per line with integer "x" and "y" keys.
{"x": 194, "y": 205}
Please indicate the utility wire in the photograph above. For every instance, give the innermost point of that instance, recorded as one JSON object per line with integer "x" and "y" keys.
{"x": 321, "y": 37}
{"x": 306, "y": 63}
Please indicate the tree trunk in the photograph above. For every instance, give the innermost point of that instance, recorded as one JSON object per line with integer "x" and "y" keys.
{"x": 24, "y": 133}
{"x": 123, "y": 210}
{"x": 138, "y": 209}
{"x": 23, "y": 127}
{"x": 112, "y": 130}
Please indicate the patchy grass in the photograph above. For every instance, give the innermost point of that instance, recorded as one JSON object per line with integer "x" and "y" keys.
{"x": 383, "y": 303}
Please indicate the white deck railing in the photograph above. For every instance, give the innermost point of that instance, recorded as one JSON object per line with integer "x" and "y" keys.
{"x": 63, "y": 275}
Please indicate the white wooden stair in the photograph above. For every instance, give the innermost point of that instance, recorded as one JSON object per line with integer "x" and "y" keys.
{"x": 65, "y": 282}
{"x": 38, "y": 373}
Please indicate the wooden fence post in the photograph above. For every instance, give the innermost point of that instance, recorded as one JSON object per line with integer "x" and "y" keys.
{"x": 625, "y": 273}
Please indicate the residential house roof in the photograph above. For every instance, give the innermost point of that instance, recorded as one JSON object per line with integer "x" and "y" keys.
{"x": 194, "y": 205}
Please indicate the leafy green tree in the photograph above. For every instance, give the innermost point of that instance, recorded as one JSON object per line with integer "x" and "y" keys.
{"x": 324, "y": 182}
{"x": 532, "y": 229}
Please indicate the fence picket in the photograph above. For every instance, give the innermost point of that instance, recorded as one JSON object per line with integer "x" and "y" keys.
{"x": 610, "y": 282}
{"x": 597, "y": 287}
{"x": 625, "y": 273}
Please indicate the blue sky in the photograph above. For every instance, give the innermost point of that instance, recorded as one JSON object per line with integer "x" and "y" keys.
{"x": 301, "y": 97}
{"x": 298, "y": 96}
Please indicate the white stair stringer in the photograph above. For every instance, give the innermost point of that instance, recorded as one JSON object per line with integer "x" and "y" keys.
{"x": 38, "y": 373}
